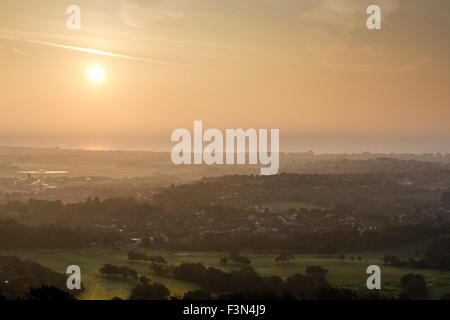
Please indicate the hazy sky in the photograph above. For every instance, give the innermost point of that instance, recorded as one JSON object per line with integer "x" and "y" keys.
{"x": 308, "y": 67}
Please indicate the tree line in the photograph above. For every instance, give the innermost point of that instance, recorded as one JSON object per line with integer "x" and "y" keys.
{"x": 139, "y": 256}
{"x": 437, "y": 256}
{"x": 18, "y": 236}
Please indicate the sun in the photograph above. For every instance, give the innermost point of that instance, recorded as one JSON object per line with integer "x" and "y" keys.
{"x": 96, "y": 74}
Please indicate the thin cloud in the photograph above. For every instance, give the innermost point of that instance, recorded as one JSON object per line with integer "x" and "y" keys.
{"x": 18, "y": 51}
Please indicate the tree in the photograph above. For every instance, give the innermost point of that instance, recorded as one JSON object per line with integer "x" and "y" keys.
{"x": 48, "y": 293}
{"x": 109, "y": 270}
{"x": 342, "y": 256}
{"x": 284, "y": 257}
{"x": 155, "y": 291}
{"x": 414, "y": 287}
{"x": 158, "y": 259}
{"x": 197, "y": 295}
{"x": 125, "y": 271}
{"x": 144, "y": 280}
{"x": 236, "y": 257}
{"x": 316, "y": 271}
{"x": 305, "y": 287}
{"x": 333, "y": 293}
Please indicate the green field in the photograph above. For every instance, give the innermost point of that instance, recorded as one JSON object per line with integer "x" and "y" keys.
{"x": 289, "y": 205}
{"x": 345, "y": 273}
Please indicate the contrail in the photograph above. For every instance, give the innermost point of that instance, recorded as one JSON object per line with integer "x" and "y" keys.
{"x": 94, "y": 51}
{"x": 87, "y": 50}
{"x": 115, "y": 55}
{"x": 107, "y": 54}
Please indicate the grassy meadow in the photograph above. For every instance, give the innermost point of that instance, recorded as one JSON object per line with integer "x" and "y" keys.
{"x": 343, "y": 273}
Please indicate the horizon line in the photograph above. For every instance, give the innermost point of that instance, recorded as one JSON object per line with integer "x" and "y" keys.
{"x": 311, "y": 152}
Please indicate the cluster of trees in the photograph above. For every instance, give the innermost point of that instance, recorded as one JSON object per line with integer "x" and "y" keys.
{"x": 342, "y": 257}
{"x": 320, "y": 293}
{"x": 140, "y": 256}
{"x": 147, "y": 290}
{"x": 116, "y": 271}
{"x": 334, "y": 293}
{"x": 303, "y": 287}
{"x": 247, "y": 280}
{"x": 161, "y": 269}
{"x": 197, "y": 295}
{"x": 437, "y": 256}
{"x": 284, "y": 257}
{"x": 238, "y": 258}
{"x": 414, "y": 287}
{"x": 48, "y": 293}
{"x": 17, "y": 236}
{"x": 246, "y": 284}
{"x": 325, "y": 293}
{"x": 234, "y": 257}
{"x": 316, "y": 271}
